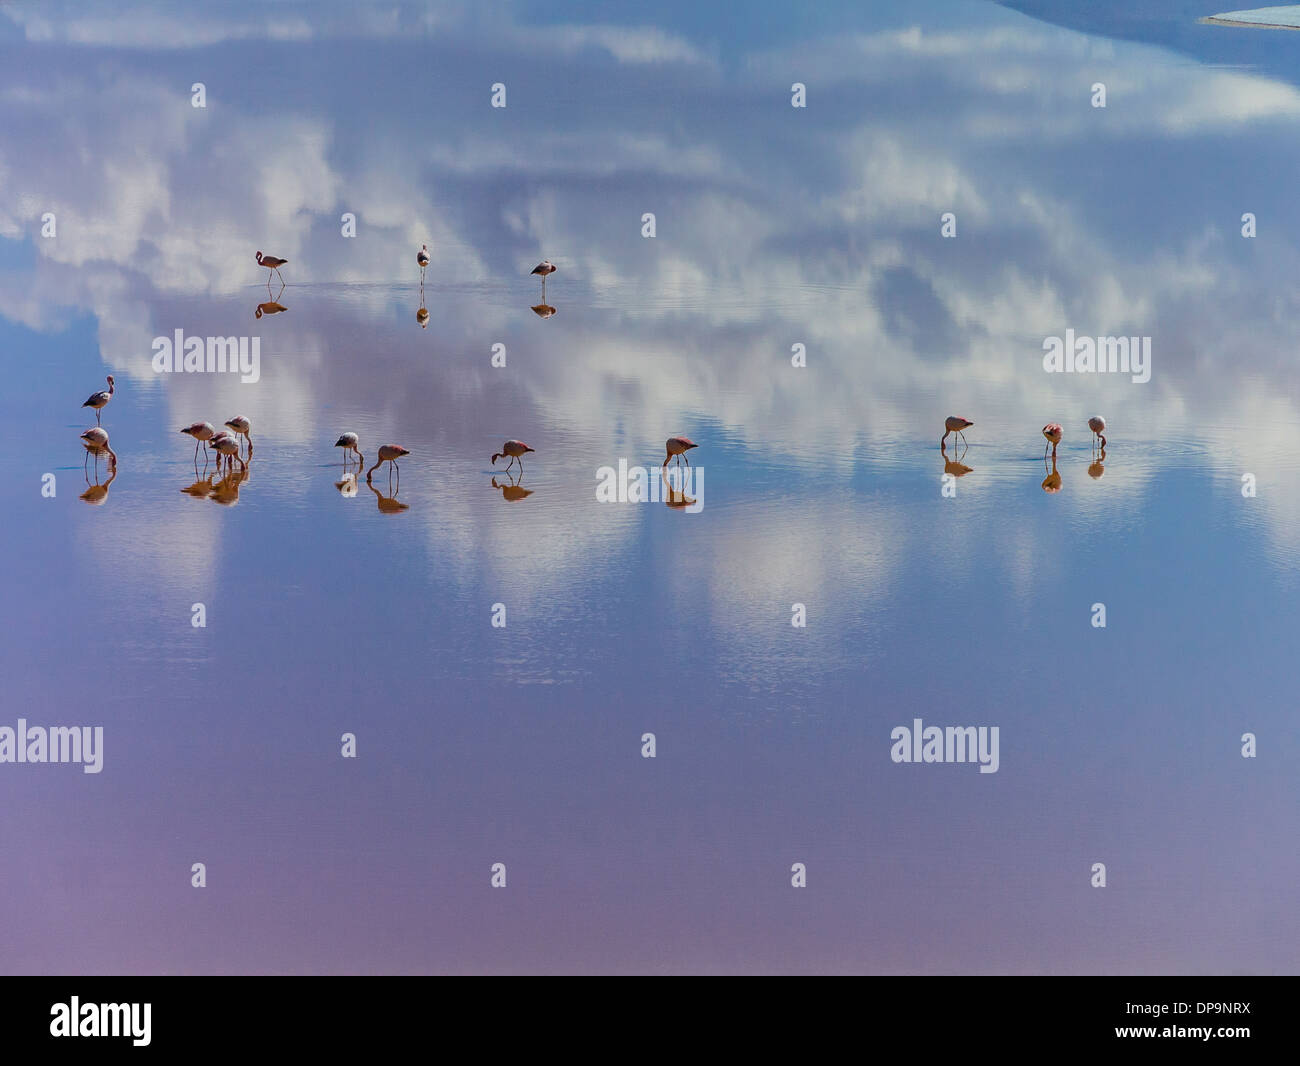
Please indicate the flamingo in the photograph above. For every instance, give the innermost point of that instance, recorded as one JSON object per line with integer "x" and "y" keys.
{"x": 515, "y": 449}
{"x": 95, "y": 442}
{"x": 202, "y": 432}
{"x": 1053, "y": 432}
{"x": 955, "y": 424}
{"x": 228, "y": 445}
{"x": 273, "y": 264}
{"x": 678, "y": 446}
{"x": 1098, "y": 426}
{"x": 422, "y": 257}
{"x": 99, "y": 400}
{"x": 389, "y": 453}
{"x": 544, "y": 267}
{"x": 350, "y": 442}
{"x": 241, "y": 425}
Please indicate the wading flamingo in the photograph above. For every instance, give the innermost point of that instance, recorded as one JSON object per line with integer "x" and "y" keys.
{"x": 389, "y": 453}
{"x": 273, "y": 264}
{"x": 350, "y": 442}
{"x": 99, "y": 400}
{"x": 544, "y": 268}
{"x": 1053, "y": 432}
{"x": 227, "y": 444}
{"x": 422, "y": 257}
{"x": 955, "y": 424}
{"x": 678, "y": 446}
{"x": 95, "y": 442}
{"x": 515, "y": 449}
{"x": 1098, "y": 426}
{"x": 241, "y": 425}
{"x": 202, "y": 432}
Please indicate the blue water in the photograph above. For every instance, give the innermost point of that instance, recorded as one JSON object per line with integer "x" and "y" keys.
{"x": 370, "y": 612}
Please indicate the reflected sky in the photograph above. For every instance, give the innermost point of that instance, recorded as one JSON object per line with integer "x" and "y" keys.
{"x": 338, "y": 605}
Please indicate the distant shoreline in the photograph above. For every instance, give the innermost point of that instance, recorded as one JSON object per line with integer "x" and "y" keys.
{"x": 1222, "y": 20}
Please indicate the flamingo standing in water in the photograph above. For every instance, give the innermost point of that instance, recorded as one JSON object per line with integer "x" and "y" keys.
{"x": 202, "y": 432}
{"x": 241, "y": 426}
{"x": 955, "y": 424}
{"x": 350, "y": 442}
{"x": 273, "y": 264}
{"x": 1098, "y": 426}
{"x": 678, "y": 446}
{"x": 516, "y": 449}
{"x": 388, "y": 453}
{"x": 544, "y": 268}
{"x": 1053, "y": 432}
{"x": 227, "y": 445}
{"x": 99, "y": 400}
{"x": 95, "y": 442}
{"x": 422, "y": 257}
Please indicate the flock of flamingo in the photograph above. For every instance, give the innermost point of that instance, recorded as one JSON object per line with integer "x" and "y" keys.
{"x": 229, "y": 443}
{"x": 1052, "y": 431}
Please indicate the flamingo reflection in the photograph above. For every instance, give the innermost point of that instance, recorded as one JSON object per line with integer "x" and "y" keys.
{"x": 387, "y": 504}
{"x": 269, "y": 308}
{"x": 511, "y": 490}
{"x": 1052, "y": 483}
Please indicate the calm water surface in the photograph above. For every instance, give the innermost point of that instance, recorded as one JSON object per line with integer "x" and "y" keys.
{"x": 330, "y": 611}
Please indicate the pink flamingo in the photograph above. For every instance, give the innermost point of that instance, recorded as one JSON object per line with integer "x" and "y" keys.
{"x": 99, "y": 400}
{"x": 350, "y": 442}
{"x": 227, "y": 445}
{"x": 273, "y": 264}
{"x": 544, "y": 268}
{"x": 678, "y": 446}
{"x": 422, "y": 257}
{"x": 202, "y": 432}
{"x": 1053, "y": 432}
{"x": 955, "y": 424}
{"x": 388, "y": 453}
{"x": 95, "y": 442}
{"x": 515, "y": 449}
{"x": 242, "y": 425}
{"x": 1098, "y": 426}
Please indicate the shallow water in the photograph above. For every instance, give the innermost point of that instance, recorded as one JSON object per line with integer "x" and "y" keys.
{"x": 822, "y": 486}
